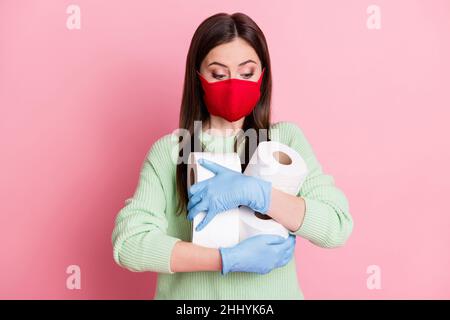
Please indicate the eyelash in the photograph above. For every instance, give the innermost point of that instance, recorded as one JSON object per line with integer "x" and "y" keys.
{"x": 220, "y": 76}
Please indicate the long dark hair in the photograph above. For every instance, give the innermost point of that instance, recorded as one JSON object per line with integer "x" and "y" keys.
{"x": 215, "y": 30}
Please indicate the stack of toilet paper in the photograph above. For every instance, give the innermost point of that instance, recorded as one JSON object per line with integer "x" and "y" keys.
{"x": 272, "y": 161}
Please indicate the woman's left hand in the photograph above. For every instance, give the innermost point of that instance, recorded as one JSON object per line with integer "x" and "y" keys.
{"x": 228, "y": 189}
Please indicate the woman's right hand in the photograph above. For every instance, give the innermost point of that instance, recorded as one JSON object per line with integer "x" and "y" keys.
{"x": 259, "y": 254}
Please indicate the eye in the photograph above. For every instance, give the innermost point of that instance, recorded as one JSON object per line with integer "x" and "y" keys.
{"x": 218, "y": 76}
{"x": 247, "y": 75}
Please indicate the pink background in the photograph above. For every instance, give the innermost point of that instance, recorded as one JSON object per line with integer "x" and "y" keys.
{"x": 80, "y": 109}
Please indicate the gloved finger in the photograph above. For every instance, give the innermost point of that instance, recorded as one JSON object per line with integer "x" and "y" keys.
{"x": 194, "y": 199}
{"x": 207, "y": 219}
{"x": 199, "y": 207}
{"x": 287, "y": 253}
{"x": 212, "y": 166}
{"x": 197, "y": 187}
{"x": 284, "y": 245}
{"x": 284, "y": 261}
{"x": 287, "y": 257}
{"x": 288, "y": 243}
{"x": 273, "y": 239}
{"x": 290, "y": 253}
{"x": 292, "y": 239}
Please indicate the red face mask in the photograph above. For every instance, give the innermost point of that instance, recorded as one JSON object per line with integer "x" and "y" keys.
{"x": 231, "y": 99}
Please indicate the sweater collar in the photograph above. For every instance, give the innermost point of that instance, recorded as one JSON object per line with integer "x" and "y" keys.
{"x": 217, "y": 143}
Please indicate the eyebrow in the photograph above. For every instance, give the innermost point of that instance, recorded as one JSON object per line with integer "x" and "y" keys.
{"x": 225, "y": 66}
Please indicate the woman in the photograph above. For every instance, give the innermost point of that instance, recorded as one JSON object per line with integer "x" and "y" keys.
{"x": 227, "y": 87}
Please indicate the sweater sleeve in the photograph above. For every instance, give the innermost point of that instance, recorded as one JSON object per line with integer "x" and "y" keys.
{"x": 139, "y": 238}
{"x": 327, "y": 222}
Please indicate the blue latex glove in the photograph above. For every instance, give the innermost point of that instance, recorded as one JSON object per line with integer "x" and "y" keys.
{"x": 259, "y": 254}
{"x": 228, "y": 189}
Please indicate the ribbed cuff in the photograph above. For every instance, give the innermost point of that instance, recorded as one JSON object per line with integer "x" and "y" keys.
{"x": 162, "y": 253}
{"x": 148, "y": 253}
{"x": 316, "y": 221}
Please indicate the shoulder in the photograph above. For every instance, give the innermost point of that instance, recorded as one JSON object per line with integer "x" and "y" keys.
{"x": 289, "y": 133}
{"x": 286, "y": 132}
{"x": 164, "y": 149}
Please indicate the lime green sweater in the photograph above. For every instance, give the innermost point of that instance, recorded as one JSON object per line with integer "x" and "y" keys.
{"x": 147, "y": 227}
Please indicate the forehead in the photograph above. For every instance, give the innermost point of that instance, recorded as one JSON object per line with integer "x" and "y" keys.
{"x": 232, "y": 53}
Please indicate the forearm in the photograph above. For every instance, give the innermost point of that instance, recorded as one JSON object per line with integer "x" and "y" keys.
{"x": 188, "y": 257}
{"x": 287, "y": 209}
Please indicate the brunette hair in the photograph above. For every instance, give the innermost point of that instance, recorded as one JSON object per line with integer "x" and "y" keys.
{"x": 215, "y": 30}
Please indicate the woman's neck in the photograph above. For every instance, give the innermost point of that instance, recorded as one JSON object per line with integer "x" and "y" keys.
{"x": 221, "y": 127}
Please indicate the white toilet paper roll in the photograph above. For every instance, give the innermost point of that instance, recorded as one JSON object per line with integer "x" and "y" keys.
{"x": 223, "y": 230}
{"x": 280, "y": 164}
{"x": 286, "y": 169}
{"x": 251, "y": 225}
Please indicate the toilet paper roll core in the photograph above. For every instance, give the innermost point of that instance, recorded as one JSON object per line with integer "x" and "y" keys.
{"x": 282, "y": 157}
